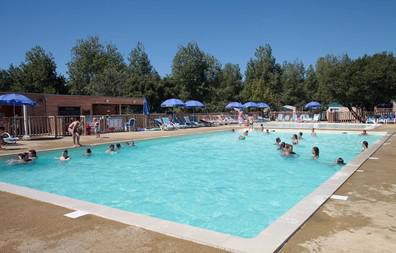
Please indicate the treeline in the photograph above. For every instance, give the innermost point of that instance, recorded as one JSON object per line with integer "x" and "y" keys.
{"x": 96, "y": 68}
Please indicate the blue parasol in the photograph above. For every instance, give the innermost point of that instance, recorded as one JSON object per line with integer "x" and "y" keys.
{"x": 313, "y": 105}
{"x": 146, "y": 111}
{"x": 172, "y": 102}
{"x": 262, "y": 105}
{"x": 194, "y": 104}
{"x": 233, "y": 105}
{"x": 250, "y": 105}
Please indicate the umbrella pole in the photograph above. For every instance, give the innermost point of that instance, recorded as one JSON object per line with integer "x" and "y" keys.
{"x": 14, "y": 120}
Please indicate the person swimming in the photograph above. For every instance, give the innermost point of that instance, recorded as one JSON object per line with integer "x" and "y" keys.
{"x": 288, "y": 150}
{"x": 313, "y": 133}
{"x": 233, "y": 130}
{"x": 364, "y": 145}
{"x": 295, "y": 139}
{"x": 267, "y": 131}
{"x": 340, "y": 161}
{"x": 246, "y": 132}
{"x": 278, "y": 141}
{"x": 32, "y": 154}
{"x": 315, "y": 153}
{"x": 88, "y": 152}
{"x": 300, "y": 135}
{"x": 364, "y": 132}
{"x": 241, "y": 137}
{"x": 111, "y": 149}
{"x": 118, "y": 146}
{"x": 65, "y": 156}
{"x": 22, "y": 158}
{"x": 132, "y": 143}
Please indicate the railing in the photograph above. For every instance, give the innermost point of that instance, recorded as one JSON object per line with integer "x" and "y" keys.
{"x": 55, "y": 126}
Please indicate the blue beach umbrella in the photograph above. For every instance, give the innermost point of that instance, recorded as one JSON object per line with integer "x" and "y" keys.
{"x": 262, "y": 105}
{"x": 172, "y": 102}
{"x": 16, "y": 100}
{"x": 233, "y": 105}
{"x": 194, "y": 104}
{"x": 313, "y": 105}
{"x": 146, "y": 111}
{"x": 250, "y": 105}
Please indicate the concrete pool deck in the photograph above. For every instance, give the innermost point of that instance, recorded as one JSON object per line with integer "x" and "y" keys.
{"x": 173, "y": 245}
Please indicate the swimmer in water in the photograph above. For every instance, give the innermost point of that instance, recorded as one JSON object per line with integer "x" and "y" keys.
{"x": 313, "y": 133}
{"x": 88, "y": 152}
{"x": 364, "y": 145}
{"x": 295, "y": 139}
{"x": 132, "y": 143}
{"x": 364, "y": 133}
{"x": 118, "y": 146}
{"x": 65, "y": 156}
{"x": 278, "y": 141}
{"x": 340, "y": 161}
{"x": 33, "y": 154}
{"x": 315, "y": 153}
{"x": 241, "y": 137}
{"x": 111, "y": 149}
{"x": 267, "y": 131}
{"x": 288, "y": 150}
{"x": 300, "y": 135}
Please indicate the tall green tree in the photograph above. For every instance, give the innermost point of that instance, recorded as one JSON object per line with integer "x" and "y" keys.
{"x": 196, "y": 73}
{"x": 230, "y": 85}
{"x": 143, "y": 79}
{"x": 262, "y": 77}
{"x": 310, "y": 84}
{"x": 292, "y": 80}
{"x": 5, "y": 80}
{"x": 90, "y": 61}
{"x": 36, "y": 74}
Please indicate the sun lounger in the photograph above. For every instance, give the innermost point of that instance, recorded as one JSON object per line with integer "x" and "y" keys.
{"x": 8, "y": 139}
{"x": 180, "y": 123}
{"x": 306, "y": 118}
{"x": 206, "y": 122}
{"x": 371, "y": 120}
{"x": 129, "y": 125}
{"x": 316, "y": 117}
{"x": 159, "y": 123}
{"x": 280, "y": 117}
{"x": 286, "y": 118}
{"x": 190, "y": 122}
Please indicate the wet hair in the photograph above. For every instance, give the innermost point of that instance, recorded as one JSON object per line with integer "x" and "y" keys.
{"x": 33, "y": 153}
{"x": 65, "y": 153}
{"x": 26, "y": 157}
{"x": 316, "y": 151}
{"x": 295, "y": 136}
{"x": 88, "y": 151}
{"x": 278, "y": 140}
{"x": 21, "y": 156}
{"x": 111, "y": 147}
{"x": 340, "y": 161}
{"x": 300, "y": 134}
{"x": 282, "y": 145}
{"x": 118, "y": 145}
{"x": 365, "y": 144}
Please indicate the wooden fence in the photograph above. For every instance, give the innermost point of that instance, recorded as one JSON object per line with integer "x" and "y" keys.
{"x": 55, "y": 126}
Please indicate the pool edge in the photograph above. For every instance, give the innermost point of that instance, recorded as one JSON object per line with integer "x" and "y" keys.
{"x": 270, "y": 239}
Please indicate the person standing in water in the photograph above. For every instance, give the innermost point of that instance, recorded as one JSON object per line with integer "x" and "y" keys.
{"x": 315, "y": 153}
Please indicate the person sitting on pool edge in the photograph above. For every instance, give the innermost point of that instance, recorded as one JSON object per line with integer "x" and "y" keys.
{"x": 295, "y": 139}
{"x": 364, "y": 145}
{"x": 111, "y": 149}
{"x": 340, "y": 161}
{"x": 315, "y": 153}
{"x": 313, "y": 133}
{"x": 65, "y": 156}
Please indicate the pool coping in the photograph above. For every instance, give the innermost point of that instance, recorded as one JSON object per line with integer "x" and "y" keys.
{"x": 270, "y": 239}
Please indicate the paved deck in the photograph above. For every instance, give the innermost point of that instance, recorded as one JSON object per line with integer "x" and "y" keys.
{"x": 366, "y": 222}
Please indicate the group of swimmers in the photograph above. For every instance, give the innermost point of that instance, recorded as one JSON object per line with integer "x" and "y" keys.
{"x": 113, "y": 148}
{"x": 287, "y": 149}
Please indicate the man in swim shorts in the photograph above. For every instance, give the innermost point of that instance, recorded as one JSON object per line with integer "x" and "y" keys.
{"x": 73, "y": 129}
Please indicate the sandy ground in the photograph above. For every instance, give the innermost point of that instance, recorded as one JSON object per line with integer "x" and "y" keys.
{"x": 366, "y": 222}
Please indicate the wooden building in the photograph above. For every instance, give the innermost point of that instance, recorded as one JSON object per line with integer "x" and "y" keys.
{"x": 67, "y": 105}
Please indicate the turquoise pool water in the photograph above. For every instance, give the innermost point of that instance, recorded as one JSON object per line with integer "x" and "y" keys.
{"x": 213, "y": 181}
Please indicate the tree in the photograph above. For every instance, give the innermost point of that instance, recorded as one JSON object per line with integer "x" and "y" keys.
{"x": 311, "y": 84}
{"x": 230, "y": 85}
{"x": 36, "y": 74}
{"x": 196, "y": 73}
{"x": 5, "y": 80}
{"x": 292, "y": 80}
{"x": 263, "y": 77}
{"x": 143, "y": 79}
{"x": 90, "y": 60}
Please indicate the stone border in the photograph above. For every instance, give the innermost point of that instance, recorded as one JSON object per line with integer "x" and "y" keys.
{"x": 270, "y": 239}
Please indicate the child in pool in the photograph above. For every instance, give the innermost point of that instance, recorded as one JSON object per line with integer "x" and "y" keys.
{"x": 88, "y": 152}
{"x": 313, "y": 133}
{"x": 278, "y": 141}
{"x": 65, "y": 156}
{"x": 300, "y": 135}
{"x": 118, "y": 146}
{"x": 295, "y": 139}
{"x": 288, "y": 150}
{"x": 364, "y": 145}
{"x": 315, "y": 153}
{"x": 340, "y": 161}
{"x": 132, "y": 143}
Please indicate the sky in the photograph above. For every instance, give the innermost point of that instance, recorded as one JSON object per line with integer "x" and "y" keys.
{"x": 230, "y": 30}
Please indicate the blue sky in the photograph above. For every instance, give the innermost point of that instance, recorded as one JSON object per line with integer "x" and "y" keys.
{"x": 230, "y": 30}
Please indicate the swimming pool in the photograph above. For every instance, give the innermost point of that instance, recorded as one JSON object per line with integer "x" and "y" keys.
{"x": 211, "y": 181}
